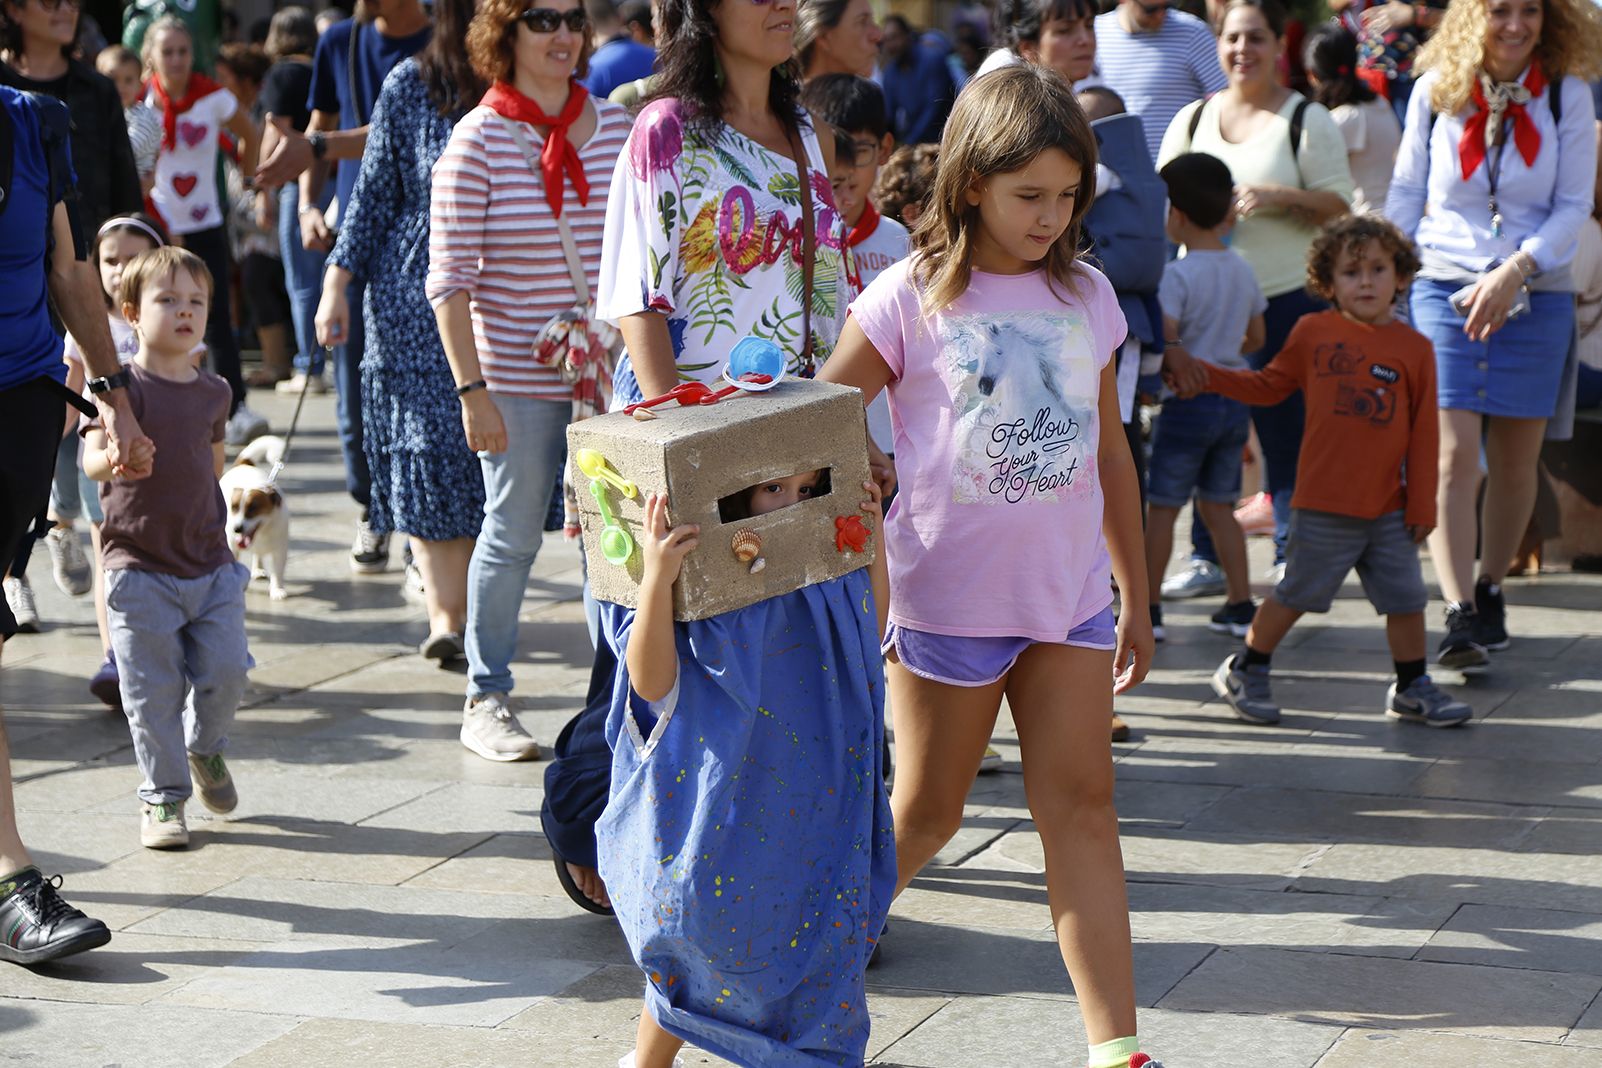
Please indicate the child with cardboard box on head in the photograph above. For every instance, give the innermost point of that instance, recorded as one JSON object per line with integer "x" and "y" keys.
{"x": 746, "y": 845}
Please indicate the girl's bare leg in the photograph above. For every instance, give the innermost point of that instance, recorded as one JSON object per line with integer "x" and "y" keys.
{"x": 1060, "y": 698}
{"x": 444, "y": 568}
{"x": 941, "y": 734}
{"x": 654, "y": 1047}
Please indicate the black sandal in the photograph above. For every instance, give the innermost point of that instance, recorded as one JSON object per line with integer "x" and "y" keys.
{"x": 565, "y": 877}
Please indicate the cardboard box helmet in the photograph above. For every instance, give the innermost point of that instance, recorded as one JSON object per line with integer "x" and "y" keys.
{"x": 700, "y": 455}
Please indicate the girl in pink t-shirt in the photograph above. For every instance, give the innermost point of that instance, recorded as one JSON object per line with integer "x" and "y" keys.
{"x": 995, "y": 345}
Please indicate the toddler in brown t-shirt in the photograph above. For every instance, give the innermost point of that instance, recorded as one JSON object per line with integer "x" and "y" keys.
{"x": 175, "y": 599}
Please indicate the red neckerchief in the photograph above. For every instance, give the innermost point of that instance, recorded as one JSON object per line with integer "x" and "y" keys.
{"x": 558, "y": 155}
{"x": 866, "y": 225}
{"x": 199, "y": 86}
{"x": 1471, "y": 148}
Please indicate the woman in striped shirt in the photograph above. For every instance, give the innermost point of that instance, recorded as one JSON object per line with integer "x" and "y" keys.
{"x": 535, "y": 157}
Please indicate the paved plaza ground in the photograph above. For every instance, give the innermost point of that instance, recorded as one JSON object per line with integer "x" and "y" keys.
{"x": 1342, "y": 891}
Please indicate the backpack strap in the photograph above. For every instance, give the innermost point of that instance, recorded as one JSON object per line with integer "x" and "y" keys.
{"x": 1195, "y": 122}
{"x": 55, "y": 133}
{"x": 1298, "y": 120}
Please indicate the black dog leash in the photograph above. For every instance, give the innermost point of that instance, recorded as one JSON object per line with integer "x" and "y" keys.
{"x": 294, "y": 421}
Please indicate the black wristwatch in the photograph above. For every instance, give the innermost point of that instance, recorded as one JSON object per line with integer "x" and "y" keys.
{"x": 119, "y": 380}
{"x": 319, "y": 144}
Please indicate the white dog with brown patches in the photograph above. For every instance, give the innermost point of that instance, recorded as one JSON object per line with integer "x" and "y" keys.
{"x": 258, "y": 518}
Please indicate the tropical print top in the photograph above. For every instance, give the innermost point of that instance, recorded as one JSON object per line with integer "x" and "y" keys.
{"x": 708, "y": 231}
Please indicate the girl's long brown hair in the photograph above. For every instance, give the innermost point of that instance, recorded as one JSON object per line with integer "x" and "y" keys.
{"x": 1001, "y": 122}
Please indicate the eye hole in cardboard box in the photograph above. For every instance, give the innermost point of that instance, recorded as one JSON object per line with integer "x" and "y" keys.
{"x": 746, "y": 503}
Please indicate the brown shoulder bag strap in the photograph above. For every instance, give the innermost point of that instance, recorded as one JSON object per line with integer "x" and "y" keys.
{"x": 809, "y": 250}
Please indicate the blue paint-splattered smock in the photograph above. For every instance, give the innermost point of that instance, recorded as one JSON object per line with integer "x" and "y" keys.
{"x": 747, "y": 845}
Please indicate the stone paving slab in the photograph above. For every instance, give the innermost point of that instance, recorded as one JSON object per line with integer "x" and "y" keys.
{"x": 1325, "y": 987}
{"x": 1339, "y": 891}
{"x": 78, "y": 1035}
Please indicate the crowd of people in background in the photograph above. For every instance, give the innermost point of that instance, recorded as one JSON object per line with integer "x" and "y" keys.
{"x": 474, "y": 223}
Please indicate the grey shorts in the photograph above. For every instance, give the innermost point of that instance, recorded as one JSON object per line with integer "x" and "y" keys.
{"x": 1323, "y": 547}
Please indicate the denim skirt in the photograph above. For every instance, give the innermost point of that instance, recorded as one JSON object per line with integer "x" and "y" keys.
{"x": 1515, "y": 373}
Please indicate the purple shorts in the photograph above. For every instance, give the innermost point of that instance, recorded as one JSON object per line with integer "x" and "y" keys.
{"x": 960, "y": 661}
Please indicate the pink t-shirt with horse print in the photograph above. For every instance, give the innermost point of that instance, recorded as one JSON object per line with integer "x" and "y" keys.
{"x": 996, "y": 530}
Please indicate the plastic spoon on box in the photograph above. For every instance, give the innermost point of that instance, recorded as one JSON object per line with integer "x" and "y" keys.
{"x": 616, "y": 544}
{"x": 594, "y": 465}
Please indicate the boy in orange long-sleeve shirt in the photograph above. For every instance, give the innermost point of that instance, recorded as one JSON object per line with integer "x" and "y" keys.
{"x": 1365, "y": 488}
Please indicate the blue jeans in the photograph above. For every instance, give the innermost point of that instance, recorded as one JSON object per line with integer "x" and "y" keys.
{"x": 303, "y": 279}
{"x": 517, "y": 496}
{"x": 348, "y": 404}
{"x": 1279, "y": 426}
{"x": 170, "y": 635}
{"x": 1195, "y": 450}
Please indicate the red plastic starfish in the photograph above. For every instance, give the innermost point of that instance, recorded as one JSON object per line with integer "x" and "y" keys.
{"x": 850, "y": 534}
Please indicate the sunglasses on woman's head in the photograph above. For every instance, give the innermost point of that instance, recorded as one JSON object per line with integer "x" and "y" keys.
{"x": 547, "y": 19}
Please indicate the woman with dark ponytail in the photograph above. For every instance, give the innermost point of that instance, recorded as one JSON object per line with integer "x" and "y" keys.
{"x": 1366, "y": 120}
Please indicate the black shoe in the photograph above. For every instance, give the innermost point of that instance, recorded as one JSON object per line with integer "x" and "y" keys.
{"x": 36, "y": 925}
{"x": 1460, "y": 650}
{"x": 1490, "y": 628}
{"x": 1234, "y": 618}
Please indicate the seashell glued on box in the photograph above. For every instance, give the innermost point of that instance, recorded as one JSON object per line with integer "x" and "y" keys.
{"x": 747, "y": 544}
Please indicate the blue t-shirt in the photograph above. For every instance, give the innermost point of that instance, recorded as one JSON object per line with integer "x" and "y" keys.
{"x": 376, "y": 56}
{"x": 29, "y": 347}
{"x": 618, "y": 62}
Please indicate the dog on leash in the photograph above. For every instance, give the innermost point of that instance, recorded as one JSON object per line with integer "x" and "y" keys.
{"x": 258, "y": 518}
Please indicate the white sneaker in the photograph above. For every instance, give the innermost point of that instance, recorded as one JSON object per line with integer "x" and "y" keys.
{"x": 412, "y": 587}
{"x": 369, "y": 553}
{"x": 1202, "y": 578}
{"x": 19, "y": 596}
{"x": 163, "y": 826}
{"x": 628, "y": 1061}
{"x": 491, "y": 730}
{"x": 244, "y": 427}
{"x": 1275, "y": 574}
{"x": 68, "y": 562}
{"x": 300, "y": 380}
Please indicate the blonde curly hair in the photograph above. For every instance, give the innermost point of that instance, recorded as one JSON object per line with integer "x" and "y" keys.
{"x": 1571, "y": 43}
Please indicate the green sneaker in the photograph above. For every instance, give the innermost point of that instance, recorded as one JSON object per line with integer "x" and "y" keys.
{"x": 213, "y": 782}
{"x": 162, "y": 826}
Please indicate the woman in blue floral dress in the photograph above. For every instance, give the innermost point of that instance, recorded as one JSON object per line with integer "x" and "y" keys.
{"x": 426, "y": 482}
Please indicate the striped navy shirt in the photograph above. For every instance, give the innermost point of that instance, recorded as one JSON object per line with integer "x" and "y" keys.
{"x": 1160, "y": 72}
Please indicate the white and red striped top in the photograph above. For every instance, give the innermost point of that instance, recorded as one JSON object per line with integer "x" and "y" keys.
{"x": 493, "y": 236}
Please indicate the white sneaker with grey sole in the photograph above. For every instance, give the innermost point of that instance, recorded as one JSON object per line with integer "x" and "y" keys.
{"x": 1202, "y": 578}
{"x": 490, "y": 729}
{"x": 68, "y": 562}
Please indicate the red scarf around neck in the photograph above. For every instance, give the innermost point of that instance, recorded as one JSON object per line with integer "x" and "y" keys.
{"x": 199, "y": 86}
{"x": 1471, "y": 149}
{"x": 558, "y": 156}
{"x": 867, "y": 223}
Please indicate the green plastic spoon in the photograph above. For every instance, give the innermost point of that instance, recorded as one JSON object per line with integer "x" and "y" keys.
{"x": 616, "y": 544}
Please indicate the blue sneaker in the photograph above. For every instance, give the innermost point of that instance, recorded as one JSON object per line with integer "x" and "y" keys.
{"x": 1426, "y": 703}
{"x": 1247, "y": 691}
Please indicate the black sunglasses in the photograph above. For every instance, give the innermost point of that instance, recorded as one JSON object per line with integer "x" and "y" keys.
{"x": 547, "y": 19}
